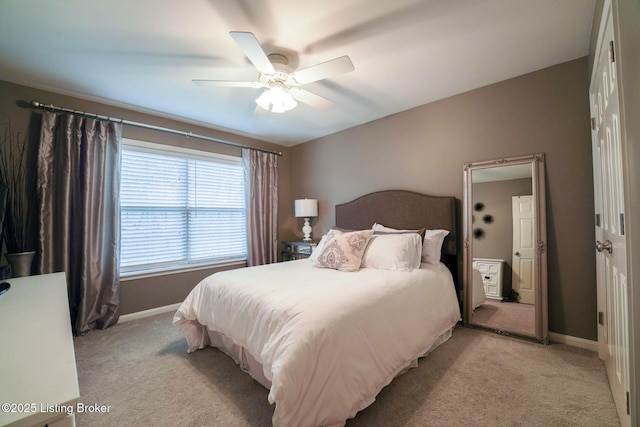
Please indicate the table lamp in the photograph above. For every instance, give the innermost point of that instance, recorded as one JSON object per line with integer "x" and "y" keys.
{"x": 306, "y": 208}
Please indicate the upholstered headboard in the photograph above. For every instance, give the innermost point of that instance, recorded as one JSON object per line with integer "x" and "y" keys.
{"x": 403, "y": 210}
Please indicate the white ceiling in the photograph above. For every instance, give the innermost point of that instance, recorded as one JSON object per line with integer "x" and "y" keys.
{"x": 142, "y": 54}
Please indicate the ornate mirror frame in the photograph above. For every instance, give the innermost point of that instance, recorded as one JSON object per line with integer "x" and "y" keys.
{"x": 537, "y": 162}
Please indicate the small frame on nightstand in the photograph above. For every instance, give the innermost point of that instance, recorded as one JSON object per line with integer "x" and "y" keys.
{"x": 297, "y": 250}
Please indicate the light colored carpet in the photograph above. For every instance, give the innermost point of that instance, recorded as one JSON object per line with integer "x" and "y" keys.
{"x": 142, "y": 371}
{"x": 506, "y": 315}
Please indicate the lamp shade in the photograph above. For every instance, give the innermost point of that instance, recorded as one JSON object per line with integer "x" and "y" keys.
{"x": 306, "y": 208}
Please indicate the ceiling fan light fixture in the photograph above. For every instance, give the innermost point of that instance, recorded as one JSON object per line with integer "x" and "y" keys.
{"x": 277, "y": 107}
{"x": 276, "y": 99}
{"x": 264, "y": 100}
{"x": 279, "y": 80}
{"x": 288, "y": 102}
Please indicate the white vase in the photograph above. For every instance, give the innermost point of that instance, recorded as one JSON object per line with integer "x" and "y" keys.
{"x": 20, "y": 263}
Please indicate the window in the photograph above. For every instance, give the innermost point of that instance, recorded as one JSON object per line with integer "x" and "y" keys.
{"x": 179, "y": 208}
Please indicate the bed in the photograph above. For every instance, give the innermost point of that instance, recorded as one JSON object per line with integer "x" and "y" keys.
{"x": 479, "y": 294}
{"x": 326, "y": 341}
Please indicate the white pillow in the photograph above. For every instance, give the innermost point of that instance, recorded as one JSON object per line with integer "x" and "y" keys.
{"x": 314, "y": 254}
{"x": 343, "y": 251}
{"x": 432, "y": 246}
{"x": 393, "y": 252}
{"x": 380, "y": 227}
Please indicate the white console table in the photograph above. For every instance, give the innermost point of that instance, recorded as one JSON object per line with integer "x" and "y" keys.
{"x": 38, "y": 377}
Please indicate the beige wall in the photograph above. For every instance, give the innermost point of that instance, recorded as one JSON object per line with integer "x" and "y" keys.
{"x": 424, "y": 149}
{"x": 142, "y": 294}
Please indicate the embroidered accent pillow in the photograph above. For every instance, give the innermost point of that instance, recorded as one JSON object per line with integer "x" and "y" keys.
{"x": 343, "y": 250}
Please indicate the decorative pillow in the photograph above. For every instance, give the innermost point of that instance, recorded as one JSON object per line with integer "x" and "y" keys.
{"x": 314, "y": 254}
{"x": 343, "y": 251}
{"x": 432, "y": 246}
{"x": 399, "y": 251}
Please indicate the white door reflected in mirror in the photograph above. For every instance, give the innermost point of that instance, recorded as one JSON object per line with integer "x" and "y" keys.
{"x": 522, "y": 264}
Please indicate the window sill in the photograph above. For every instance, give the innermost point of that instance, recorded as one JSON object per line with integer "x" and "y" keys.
{"x": 134, "y": 275}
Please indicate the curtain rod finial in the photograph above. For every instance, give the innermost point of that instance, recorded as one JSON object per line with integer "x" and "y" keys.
{"x": 35, "y": 104}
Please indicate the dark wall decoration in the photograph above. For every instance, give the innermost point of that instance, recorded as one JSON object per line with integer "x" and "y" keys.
{"x": 478, "y": 233}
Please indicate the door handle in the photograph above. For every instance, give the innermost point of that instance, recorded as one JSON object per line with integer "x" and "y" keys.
{"x": 517, "y": 254}
{"x": 606, "y": 246}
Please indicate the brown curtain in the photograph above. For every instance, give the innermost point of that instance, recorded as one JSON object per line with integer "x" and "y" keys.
{"x": 261, "y": 180}
{"x": 78, "y": 185}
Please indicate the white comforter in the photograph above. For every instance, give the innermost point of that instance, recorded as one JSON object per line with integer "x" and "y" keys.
{"x": 328, "y": 341}
{"x": 478, "y": 292}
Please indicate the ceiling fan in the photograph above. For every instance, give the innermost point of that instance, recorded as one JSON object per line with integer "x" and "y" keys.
{"x": 281, "y": 84}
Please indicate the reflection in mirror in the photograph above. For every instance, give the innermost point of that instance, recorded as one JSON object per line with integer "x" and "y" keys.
{"x": 505, "y": 279}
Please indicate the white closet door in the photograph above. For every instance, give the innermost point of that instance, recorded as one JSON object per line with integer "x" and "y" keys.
{"x": 611, "y": 254}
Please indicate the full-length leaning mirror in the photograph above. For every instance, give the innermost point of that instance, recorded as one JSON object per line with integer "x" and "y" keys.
{"x": 505, "y": 246}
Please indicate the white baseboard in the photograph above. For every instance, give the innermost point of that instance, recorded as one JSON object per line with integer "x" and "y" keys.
{"x": 574, "y": 341}
{"x": 147, "y": 313}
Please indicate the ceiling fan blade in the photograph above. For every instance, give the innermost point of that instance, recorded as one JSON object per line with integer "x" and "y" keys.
{"x": 311, "y": 99}
{"x": 252, "y": 49}
{"x": 226, "y": 83}
{"x": 324, "y": 70}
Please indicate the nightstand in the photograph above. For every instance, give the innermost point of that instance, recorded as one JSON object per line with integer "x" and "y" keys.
{"x": 297, "y": 250}
{"x": 491, "y": 270}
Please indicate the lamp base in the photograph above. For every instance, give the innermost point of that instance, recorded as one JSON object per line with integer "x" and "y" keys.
{"x": 306, "y": 230}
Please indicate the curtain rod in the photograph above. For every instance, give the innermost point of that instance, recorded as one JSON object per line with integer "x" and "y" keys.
{"x": 36, "y": 104}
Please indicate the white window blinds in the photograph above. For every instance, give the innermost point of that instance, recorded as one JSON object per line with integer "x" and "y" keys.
{"x": 178, "y": 209}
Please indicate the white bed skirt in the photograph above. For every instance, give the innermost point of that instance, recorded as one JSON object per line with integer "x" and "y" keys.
{"x": 245, "y": 360}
